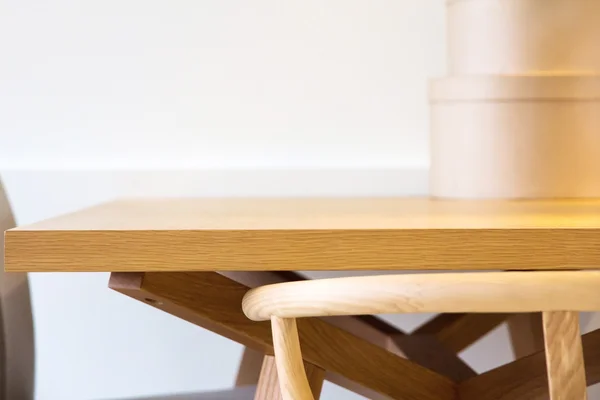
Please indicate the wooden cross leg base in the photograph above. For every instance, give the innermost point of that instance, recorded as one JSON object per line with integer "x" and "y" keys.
{"x": 369, "y": 357}
{"x": 285, "y": 304}
{"x": 260, "y": 370}
{"x": 268, "y": 387}
{"x": 563, "y": 348}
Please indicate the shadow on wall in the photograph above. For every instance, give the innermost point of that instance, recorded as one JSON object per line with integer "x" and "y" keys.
{"x": 17, "y": 351}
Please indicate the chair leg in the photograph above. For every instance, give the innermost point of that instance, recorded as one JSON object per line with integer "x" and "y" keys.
{"x": 294, "y": 382}
{"x": 564, "y": 356}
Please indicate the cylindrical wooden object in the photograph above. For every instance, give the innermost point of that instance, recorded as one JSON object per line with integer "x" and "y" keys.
{"x": 515, "y": 137}
{"x": 523, "y": 36}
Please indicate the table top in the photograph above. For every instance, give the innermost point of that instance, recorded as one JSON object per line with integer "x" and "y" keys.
{"x": 312, "y": 234}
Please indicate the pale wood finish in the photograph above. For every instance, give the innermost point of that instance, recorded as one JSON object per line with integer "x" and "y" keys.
{"x": 367, "y": 327}
{"x": 526, "y": 378}
{"x": 250, "y": 365}
{"x": 503, "y": 292}
{"x": 268, "y": 386}
{"x": 458, "y": 331}
{"x": 564, "y": 355}
{"x": 491, "y": 291}
{"x": 526, "y": 333}
{"x": 312, "y": 234}
{"x": 293, "y": 380}
{"x": 213, "y": 302}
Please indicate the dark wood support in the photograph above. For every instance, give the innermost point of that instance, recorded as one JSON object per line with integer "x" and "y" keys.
{"x": 214, "y": 302}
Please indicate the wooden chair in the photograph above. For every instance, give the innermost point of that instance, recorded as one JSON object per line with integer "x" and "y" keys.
{"x": 559, "y": 295}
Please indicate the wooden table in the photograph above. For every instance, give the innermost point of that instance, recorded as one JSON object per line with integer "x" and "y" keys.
{"x": 196, "y": 258}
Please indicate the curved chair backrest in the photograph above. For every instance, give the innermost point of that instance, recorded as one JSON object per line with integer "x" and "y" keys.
{"x": 503, "y": 292}
{"x": 16, "y": 336}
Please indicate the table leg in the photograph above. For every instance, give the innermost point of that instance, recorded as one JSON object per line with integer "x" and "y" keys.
{"x": 249, "y": 369}
{"x": 268, "y": 384}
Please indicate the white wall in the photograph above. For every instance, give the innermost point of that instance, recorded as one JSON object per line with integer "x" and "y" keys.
{"x": 261, "y": 83}
{"x": 227, "y": 97}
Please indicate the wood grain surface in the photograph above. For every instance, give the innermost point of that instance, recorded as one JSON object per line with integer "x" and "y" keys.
{"x": 427, "y": 351}
{"x": 564, "y": 356}
{"x": 214, "y": 302}
{"x": 268, "y": 385}
{"x": 293, "y": 380}
{"x": 526, "y": 333}
{"x": 502, "y": 292}
{"x": 312, "y": 234}
{"x": 526, "y": 378}
{"x": 458, "y": 331}
{"x": 424, "y": 348}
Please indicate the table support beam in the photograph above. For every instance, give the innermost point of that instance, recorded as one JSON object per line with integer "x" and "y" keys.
{"x": 214, "y": 302}
{"x": 458, "y": 331}
{"x": 526, "y": 378}
{"x": 250, "y": 366}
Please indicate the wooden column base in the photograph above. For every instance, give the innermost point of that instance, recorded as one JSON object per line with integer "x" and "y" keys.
{"x": 249, "y": 369}
{"x": 268, "y": 383}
